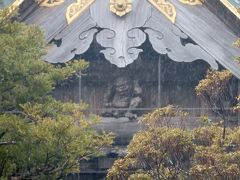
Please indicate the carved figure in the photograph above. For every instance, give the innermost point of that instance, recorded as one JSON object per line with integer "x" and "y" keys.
{"x": 123, "y": 96}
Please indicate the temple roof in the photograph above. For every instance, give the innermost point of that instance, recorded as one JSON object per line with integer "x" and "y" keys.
{"x": 233, "y": 6}
{"x": 121, "y": 36}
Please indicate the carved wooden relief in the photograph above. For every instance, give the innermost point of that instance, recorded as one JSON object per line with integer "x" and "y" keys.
{"x": 192, "y": 2}
{"x": 121, "y": 37}
{"x": 76, "y": 9}
{"x": 166, "y": 8}
{"x": 120, "y": 7}
{"x": 51, "y": 3}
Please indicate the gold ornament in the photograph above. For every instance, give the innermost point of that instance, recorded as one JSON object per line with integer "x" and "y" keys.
{"x": 120, "y": 7}
{"x": 14, "y": 6}
{"x": 192, "y": 2}
{"x": 169, "y": 10}
{"x": 76, "y": 9}
{"x": 166, "y": 8}
{"x": 51, "y": 3}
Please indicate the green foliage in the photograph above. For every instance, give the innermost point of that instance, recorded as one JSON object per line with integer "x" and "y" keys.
{"x": 156, "y": 152}
{"x": 39, "y": 137}
{"x": 52, "y": 141}
{"x": 237, "y": 106}
{"x": 237, "y": 44}
{"x": 215, "y": 159}
{"x": 204, "y": 120}
{"x": 213, "y": 87}
{"x": 161, "y": 152}
{"x": 164, "y": 117}
{"x": 214, "y": 90}
{"x": 24, "y": 77}
{"x": 207, "y": 135}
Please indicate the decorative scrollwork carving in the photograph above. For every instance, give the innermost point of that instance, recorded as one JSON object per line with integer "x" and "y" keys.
{"x": 192, "y": 2}
{"x": 51, "y": 3}
{"x": 121, "y": 39}
{"x": 166, "y": 8}
{"x": 169, "y": 10}
{"x": 120, "y": 7}
{"x": 76, "y": 9}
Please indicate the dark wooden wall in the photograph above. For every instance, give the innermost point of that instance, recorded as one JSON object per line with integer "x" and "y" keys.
{"x": 163, "y": 81}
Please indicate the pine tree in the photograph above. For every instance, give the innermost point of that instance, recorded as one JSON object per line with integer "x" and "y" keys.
{"x": 40, "y": 137}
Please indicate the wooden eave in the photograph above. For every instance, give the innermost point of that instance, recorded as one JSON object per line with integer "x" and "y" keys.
{"x": 198, "y": 22}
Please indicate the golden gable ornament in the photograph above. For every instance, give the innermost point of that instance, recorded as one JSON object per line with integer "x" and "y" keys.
{"x": 51, "y": 3}
{"x": 120, "y": 7}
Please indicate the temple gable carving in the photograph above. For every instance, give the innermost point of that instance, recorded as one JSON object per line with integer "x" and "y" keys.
{"x": 122, "y": 37}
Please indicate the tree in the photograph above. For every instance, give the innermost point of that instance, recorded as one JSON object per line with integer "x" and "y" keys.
{"x": 169, "y": 116}
{"x": 50, "y": 140}
{"x": 237, "y": 44}
{"x": 40, "y": 137}
{"x": 213, "y": 158}
{"x": 24, "y": 76}
{"x": 237, "y": 106}
{"x": 159, "y": 152}
{"x": 215, "y": 91}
